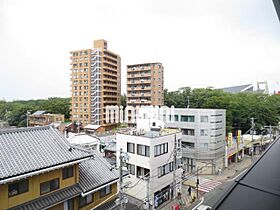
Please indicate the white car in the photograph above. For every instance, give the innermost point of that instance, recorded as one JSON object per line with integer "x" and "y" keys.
{"x": 203, "y": 207}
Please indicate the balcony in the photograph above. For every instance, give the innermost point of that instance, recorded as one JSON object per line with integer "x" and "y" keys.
{"x": 138, "y": 75}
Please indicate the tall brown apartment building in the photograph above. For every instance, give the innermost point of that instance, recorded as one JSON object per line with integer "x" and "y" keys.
{"x": 145, "y": 84}
{"x": 95, "y": 83}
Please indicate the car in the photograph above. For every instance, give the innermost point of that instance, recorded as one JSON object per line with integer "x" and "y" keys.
{"x": 203, "y": 207}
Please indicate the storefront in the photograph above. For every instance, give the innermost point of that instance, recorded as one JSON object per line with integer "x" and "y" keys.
{"x": 163, "y": 195}
{"x": 234, "y": 153}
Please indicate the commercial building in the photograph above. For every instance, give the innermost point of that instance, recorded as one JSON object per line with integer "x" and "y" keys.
{"x": 151, "y": 162}
{"x": 145, "y": 84}
{"x": 95, "y": 83}
{"x": 261, "y": 87}
{"x": 203, "y": 138}
{"x": 41, "y": 170}
{"x": 41, "y": 118}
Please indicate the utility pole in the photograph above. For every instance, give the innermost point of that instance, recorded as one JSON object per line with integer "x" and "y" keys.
{"x": 175, "y": 167}
{"x": 188, "y": 102}
{"x": 148, "y": 192}
{"x": 252, "y": 132}
{"x": 121, "y": 180}
{"x": 270, "y": 133}
{"x": 197, "y": 183}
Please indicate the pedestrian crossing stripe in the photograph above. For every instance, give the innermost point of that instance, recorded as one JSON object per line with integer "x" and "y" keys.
{"x": 206, "y": 185}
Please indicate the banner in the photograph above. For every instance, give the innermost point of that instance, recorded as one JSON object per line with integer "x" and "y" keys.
{"x": 229, "y": 139}
{"x": 239, "y": 137}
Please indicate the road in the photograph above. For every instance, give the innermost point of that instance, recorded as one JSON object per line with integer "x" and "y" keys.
{"x": 214, "y": 195}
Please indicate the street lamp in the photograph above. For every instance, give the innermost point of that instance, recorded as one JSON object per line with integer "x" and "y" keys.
{"x": 28, "y": 112}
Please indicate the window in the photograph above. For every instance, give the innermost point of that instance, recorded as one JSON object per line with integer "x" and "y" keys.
{"x": 18, "y": 187}
{"x": 130, "y": 147}
{"x": 176, "y": 118}
{"x": 141, "y": 172}
{"x": 67, "y": 172}
{"x": 203, "y": 132}
{"x": 165, "y": 169}
{"x": 131, "y": 168}
{"x": 189, "y": 145}
{"x": 204, "y": 146}
{"x": 69, "y": 205}
{"x": 204, "y": 119}
{"x": 188, "y": 132}
{"x": 105, "y": 191}
{"x": 187, "y": 118}
{"x": 49, "y": 186}
{"x": 143, "y": 150}
{"x": 161, "y": 149}
{"x": 83, "y": 201}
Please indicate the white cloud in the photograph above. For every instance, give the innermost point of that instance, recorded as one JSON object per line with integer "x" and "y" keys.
{"x": 201, "y": 43}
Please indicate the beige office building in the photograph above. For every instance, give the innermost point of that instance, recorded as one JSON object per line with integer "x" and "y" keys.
{"x": 95, "y": 83}
{"x": 145, "y": 84}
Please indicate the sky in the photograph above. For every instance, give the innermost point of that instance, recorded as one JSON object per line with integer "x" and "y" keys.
{"x": 201, "y": 43}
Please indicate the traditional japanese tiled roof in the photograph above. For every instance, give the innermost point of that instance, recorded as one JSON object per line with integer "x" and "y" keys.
{"x": 26, "y": 150}
{"x": 50, "y": 200}
{"x": 95, "y": 173}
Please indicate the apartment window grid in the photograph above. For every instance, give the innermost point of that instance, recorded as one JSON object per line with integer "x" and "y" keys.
{"x": 204, "y": 119}
{"x": 203, "y": 132}
{"x": 187, "y": 118}
{"x": 131, "y": 168}
{"x": 165, "y": 169}
{"x": 160, "y": 149}
{"x": 143, "y": 150}
{"x": 131, "y": 147}
{"x": 188, "y": 132}
{"x": 141, "y": 172}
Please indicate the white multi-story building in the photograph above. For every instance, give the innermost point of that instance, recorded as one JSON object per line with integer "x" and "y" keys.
{"x": 203, "y": 138}
{"x": 151, "y": 157}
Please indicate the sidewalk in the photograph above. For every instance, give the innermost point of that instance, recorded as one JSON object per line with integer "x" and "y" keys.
{"x": 233, "y": 169}
{"x": 186, "y": 198}
{"x": 227, "y": 173}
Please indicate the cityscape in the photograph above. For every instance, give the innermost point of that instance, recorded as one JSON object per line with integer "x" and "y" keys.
{"x": 140, "y": 126}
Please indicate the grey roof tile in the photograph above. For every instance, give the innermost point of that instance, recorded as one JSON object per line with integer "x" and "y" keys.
{"x": 51, "y": 199}
{"x": 29, "y": 149}
{"x": 95, "y": 173}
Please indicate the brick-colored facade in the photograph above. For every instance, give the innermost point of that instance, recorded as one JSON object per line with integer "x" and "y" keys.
{"x": 145, "y": 84}
{"x": 95, "y": 83}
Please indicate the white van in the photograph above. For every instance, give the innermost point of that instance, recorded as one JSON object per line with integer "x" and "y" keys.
{"x": 203, "y": 207}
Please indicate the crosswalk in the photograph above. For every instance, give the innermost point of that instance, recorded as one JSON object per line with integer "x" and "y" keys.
{"x": 206, "y": 185}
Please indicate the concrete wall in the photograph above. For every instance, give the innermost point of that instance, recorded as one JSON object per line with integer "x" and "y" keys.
{"x": 152, "y": 163}
{"x": 215, "y": 138}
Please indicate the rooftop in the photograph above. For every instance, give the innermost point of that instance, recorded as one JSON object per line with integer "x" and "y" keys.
{"x": 26, "y": 150}
{"x": 238, "y": 89}
{"x": 152, "y": 133}
{"x": 142, "y": 64}
{"x": 96, "y": 172}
